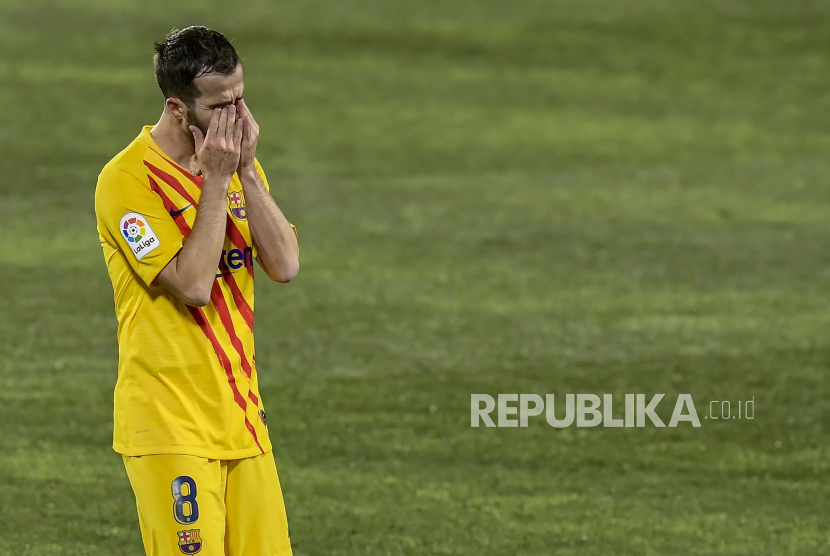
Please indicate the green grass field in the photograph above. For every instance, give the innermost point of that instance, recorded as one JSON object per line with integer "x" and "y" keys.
{"x": 492, "y": 197}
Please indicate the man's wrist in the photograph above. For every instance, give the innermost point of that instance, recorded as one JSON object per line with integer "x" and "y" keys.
{"x": 248, "y": 174}
{"x": 210, "y": 183}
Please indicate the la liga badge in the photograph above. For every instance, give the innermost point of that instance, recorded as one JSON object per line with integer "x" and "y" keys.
{"x": 141, "y": 239}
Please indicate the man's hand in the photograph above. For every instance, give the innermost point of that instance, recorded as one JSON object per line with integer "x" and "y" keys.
{"x": 249, "y": 138}
{"x": 219, "y": 152}
{"x": 191, "y": 273}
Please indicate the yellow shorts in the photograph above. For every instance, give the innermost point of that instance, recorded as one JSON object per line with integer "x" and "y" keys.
{"x": 190, "y": 505}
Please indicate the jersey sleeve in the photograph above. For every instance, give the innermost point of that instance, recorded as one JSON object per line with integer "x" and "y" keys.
{"x": 261, "y": 173}
{"x": 133, "y": 218}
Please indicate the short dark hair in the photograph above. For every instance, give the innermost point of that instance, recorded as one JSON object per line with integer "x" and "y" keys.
{"x": 186, "y": 54}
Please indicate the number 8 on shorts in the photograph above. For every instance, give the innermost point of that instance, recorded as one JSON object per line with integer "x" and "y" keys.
{"x": 185, "y": 508}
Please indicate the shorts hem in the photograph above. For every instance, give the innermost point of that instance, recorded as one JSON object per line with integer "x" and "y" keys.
{"x": 191, "y": 451}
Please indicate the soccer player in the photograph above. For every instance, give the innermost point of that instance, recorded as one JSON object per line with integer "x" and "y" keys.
{"x": 183, "y": 212}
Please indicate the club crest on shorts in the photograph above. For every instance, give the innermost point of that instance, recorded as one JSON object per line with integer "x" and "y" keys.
{"x": 236, "y": 205}
{"x": 189, "y": 541}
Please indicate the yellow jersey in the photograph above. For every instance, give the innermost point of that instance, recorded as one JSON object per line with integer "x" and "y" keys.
{"x": 187, "y": 380}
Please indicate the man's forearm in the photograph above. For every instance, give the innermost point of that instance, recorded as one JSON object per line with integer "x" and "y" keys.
{"x": 194, "y": 271}
{"x": 199, "y": 258}
{"x": 276, "y": 243}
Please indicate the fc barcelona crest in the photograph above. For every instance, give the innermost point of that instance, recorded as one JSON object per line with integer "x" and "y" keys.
{"x": 236, "y": 205}
{"x": 189, "y": 541}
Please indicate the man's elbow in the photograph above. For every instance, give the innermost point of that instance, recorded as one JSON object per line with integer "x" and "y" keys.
{"x": 189, "y": 292}
{"x": 198, "y": 301}
{"x": 285, "y": 273}
{"x": 195, "y": 297}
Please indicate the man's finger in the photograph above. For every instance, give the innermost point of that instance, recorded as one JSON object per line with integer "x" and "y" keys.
{"x": 243, "y": 108}
{"x": 237, "y": 139}
{"x": 248, "y": 112}
{"x": 198, "y": 137}
{"x": 247, "y": 136}
{"x": 223, "y": 125}
{"x": 231, "y": 122}
{"x": 214, "y": 124}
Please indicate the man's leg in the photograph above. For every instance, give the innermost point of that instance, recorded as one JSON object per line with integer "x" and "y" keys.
{"x": 256, "y": 524}
{"x": 180, "y": 502}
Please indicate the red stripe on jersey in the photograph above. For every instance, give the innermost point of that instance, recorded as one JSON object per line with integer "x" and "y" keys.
{"x": 238, "y": 239}
{"x": 172, "y": 182}
{"x": 253, "y": 397}
{"x": 179, "y": 219}
{"x": 195, "y": 179}
{"x": 251, "y": 429}
{"x": 218, "y": 299}
{"x": 201, "y": 320}
{"x": 235, "y": 235}
{"x": 241, "y": 304}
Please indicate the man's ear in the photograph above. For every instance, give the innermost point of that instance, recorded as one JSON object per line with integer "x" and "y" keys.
{"x": 176, "y": 108}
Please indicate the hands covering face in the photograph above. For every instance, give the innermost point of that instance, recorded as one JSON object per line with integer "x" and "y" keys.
{"x": 218, "y": 151}
{"x": 222, "y": 152}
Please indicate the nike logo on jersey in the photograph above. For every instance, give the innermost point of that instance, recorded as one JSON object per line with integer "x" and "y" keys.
{"x": 175, "y": 213}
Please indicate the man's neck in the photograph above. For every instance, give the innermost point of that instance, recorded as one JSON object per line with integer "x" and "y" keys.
{"x": 173, "y": 143}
